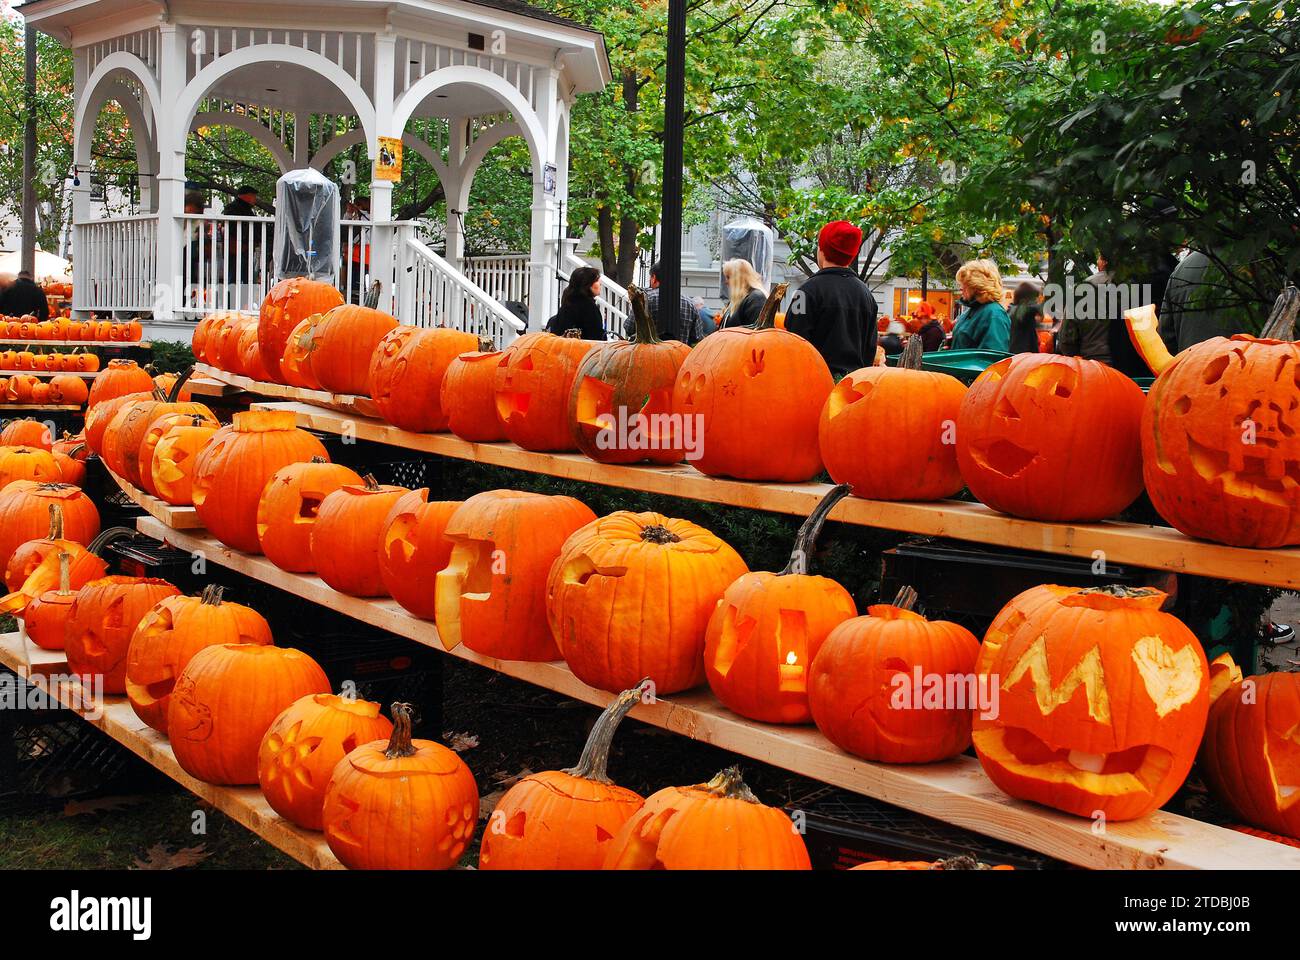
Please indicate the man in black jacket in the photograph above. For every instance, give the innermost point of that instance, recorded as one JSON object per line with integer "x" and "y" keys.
{"x": 834, "y": 310}
{"x": 25, "y": 298}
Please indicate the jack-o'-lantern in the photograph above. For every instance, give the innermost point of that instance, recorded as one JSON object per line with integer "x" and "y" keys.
{"x": 406, "y": 374}
{"x": 754, "y": 397}
{"x": 607, "y": 606}
{"x": 226, "y": 699}
{"x": 288, "y": 508}
{"x": 468, "y": 395}
{"x": 621, "y": 404}
{"x": 101, "y": 622}
{"x": 99, "y": 416}
{"x": 414, "y": 548}
{"x": 127, "y": 431}
{"x": 403, "y": 804}
{"x": 28, "y": 463}
{"x": 1052, "y": 438}
{"x": 69, "y": 389}
{"x": 491, "y": 595}
{"x": 1221, "y": 441}
{"x": 719, "y": 825}
{"x": 162, "y": 425}
{"x": 168, "y": 637}
{"x": 564, "y": 819}
{"x": 118, "y": 379}
{"x": 30, "y": 555}
{"x": 295, "y": 365}
{"x": 766, "y": 631}
{"x": 175, "y": 456}
{"x": 285, "y": 306}
{"x": 895, "y": 687}
{"x": 305, "y": 744}
{"x": 1251, "y": 753}
{"x": 249, "y": 349}
{"x": 26, "y": 433}
{"x": 534, "y": 378}
{"x": 891, "y": 432}
{"x": 1102, "y": 700}
{"x": 348, "y": 533}
{"x": 235, "y": 465}
{"x": 45, "y": 618}
{"x": 25, "y": 515}
{"x": 343, "y": 342}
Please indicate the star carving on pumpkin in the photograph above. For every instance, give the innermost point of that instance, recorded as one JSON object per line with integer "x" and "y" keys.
{"x": 288, "y": 753}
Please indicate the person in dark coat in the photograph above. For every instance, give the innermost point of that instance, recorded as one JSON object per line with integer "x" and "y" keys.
{"x": 1026, "y": 312}
{"x": 834, "y": 310}
{"x": 578, "y": 307}
{"x": 932, "y": 333}
{"x": 683, "y": 324}
{"x": 241, "y": 238}
{"x": 25, "y": 298}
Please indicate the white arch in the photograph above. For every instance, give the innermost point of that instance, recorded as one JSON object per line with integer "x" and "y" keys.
{"x": 224, "y": 65}
{"x": 525, "y": 117}
{"x": 350, "y": 139}
{"x": 475, "y": 155}
{"x": 92, "y": 99}
{"x": 276, "y": 147}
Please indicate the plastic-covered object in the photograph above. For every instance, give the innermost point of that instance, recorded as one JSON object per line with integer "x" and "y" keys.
{"x": 749, "y": 239}
{"x": 306, "y": 226}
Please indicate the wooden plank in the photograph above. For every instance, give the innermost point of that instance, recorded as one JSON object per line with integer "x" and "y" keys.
{"x": 50, "y": 373}
{"x": 207, "y": 387}
{"x": 178, "y": 518}
{"x": 144, "y": 344}
{"x": 245, "y": 805}
{"x": 956, "y": 791}
{"x": 39, "y": 660}
{"x": 1161, "y": 548}
{"x": 27, "y": 407}
{"x": 350, "y": 404}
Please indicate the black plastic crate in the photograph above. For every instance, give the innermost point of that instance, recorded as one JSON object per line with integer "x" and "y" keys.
{"x": 843, "y": 829}
{"x": 51, "y": 756}
{"x": 139, "y": 555}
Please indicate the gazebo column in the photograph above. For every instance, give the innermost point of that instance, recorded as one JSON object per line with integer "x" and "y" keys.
{"x": 456, "y": 190}
{"x": 382, "y": 239}
{"x": 80, "y": 192}
{"x": 543, "y": 298}
{"x": 171, "y": 136}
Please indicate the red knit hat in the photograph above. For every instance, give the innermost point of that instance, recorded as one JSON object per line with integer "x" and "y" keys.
{"x": 839, "y": 241}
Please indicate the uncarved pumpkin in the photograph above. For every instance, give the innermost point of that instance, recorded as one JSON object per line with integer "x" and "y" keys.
{"x": 118, "y": 379}
{"x": 343, "y": 342}
{"x": 468, "y": 395}
{"x": 25, "y": 515}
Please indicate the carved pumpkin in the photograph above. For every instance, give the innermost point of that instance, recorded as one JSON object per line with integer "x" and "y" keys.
{"x": 768, "y": 627}
{"x": 289, "y": 505}
{"x": 30, "y": 555}
{"x": 213, "y": 339}
{"x": 45, "y": 618}
{"x": 228, "y": 339}
{"x": 406, "y": 374}
{"x": 162, "y": 425}
{"x": 768, "y": 378}
{"x": 564, "y": 819}
{"x": 1052, "y": 438}
{"x": 19, "y": 389}
{"x": 101, "y": 415}
{"x": 468, "y": 395}
{"x": 175, "y": 457}
{"x": 69, "y": 389}
{"x": 168, "y": 637}
{"x": 295, "y": 365}
{"x": 100, "y": 624}
{"x": 118, "y": 379}
{"x": 343, "y": 343}
{"x": 347, "y": 534}
{"x": 40, "y": 393}
{"x": 27, "y": 433}
{"x": 400, "y": 805}
{"x": 286, "y": 305}
{"x": 235, "y": 465}
{"x": 607, "y": 578}
{"x": 491, "y": 595}
{"x": 127, "y": 432}
{"x": 28, "y": 463}
{"x": 1221, "y": 442}
{"x": 963, "y": 862}
{"x": 413, "y": 548}
{"x": 1102, "y": 700}
{"x": 622, "y": 396}
{"x": 1251, "y": 752}
{"x": 891, "y": 432}
{"x": 25, "y": 515}
{"x": 226, "y": 699}
{"x": 250, "y": 354}
{"x": 198, "y": 339}
{"x": 719, "y": 825}
{"x": 863, "y": 688}
{"x": 534, "y": 378}
{"x": 305, "y": 744}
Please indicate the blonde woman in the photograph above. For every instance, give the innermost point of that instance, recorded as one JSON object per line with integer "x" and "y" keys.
{"x": 985, "y": 325}
{"x": 748, "y": 294}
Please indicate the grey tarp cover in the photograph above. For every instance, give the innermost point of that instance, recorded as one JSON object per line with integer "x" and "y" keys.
{"x": 306, "y": 226}
{"x": 751, "y": 240}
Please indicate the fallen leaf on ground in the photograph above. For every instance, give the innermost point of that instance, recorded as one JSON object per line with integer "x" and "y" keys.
{"x": 74, "y": 808}
{"x": 460, "y": 742}
{"x": 161, "y": 858}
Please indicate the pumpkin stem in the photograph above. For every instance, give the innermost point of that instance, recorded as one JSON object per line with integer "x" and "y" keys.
{"x": 962, "y": 861}
{"x": 179, "y": 384}
{"x": 211, "y": 595}
{"x": 645, "y": 326}
{"x": 318, "y": 459}
{"x": 805, "y": 541}
{"x": 573, "y": 333}
{"x": 65, "y": 573}
{"x": 729, "y": 784}
{"x": 595, "y": 755}
{"x": 906, "y": 598}
{"x": 56, "y": 522}
{"x": 371, "y": 484}
{"x": 767, "y": 316}
{"x": 108, "y": 536}
{"x": 912, "y": 354}
{"x": 486, "y": 345}
{"x": 1121, "y": 591}
{"x": 399, "y": 744}
{"x": 372, "y": 295}
{"x": 1281, "y": 321}
{"x": 659, "y": 534}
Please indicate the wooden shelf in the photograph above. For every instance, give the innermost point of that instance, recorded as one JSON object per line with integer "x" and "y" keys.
{"x": 1161, "y": 548}
{"x": 343, "y": 402}
{"x": 40, "y": 406}
{"x": 207, "y": 387}
{"x": 50, "y": 373}
{"x": 81, "y": 343}
{"x": 178, "y": 518}
{"x": 245, "y": 805}
{"x": 955, "y": 791}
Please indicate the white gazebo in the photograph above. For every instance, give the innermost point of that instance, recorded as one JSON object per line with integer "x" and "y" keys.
{"x": 475, "y": 71}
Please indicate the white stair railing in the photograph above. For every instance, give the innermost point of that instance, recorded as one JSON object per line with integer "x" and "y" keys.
{"x": 431, "y": 293}
{"x": 615, "y": 304}
{"x": 502, "y": 276}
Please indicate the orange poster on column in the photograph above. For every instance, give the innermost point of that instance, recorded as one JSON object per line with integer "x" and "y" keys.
{"x": 388, "y": 162}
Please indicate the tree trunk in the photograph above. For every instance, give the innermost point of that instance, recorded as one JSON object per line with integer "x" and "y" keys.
{"x": 28, "y": 255}
{"x": 605, "y": 234}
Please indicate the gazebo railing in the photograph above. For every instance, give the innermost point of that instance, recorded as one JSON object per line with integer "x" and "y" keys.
{"x": 114, "y": 264}
{"x": 225, "y": 262}
{"x": 503, "y": 276}
{"x": 430, "y": 292}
